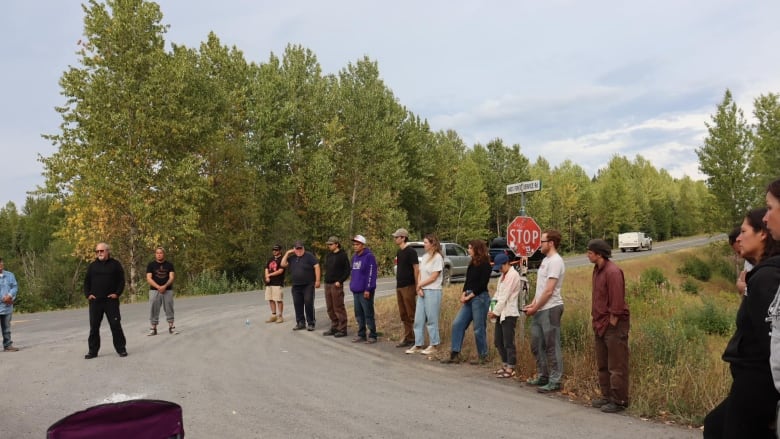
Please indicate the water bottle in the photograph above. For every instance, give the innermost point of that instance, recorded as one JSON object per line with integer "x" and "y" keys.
{"x": 247, "y": 323}
{"x": 492, "y": 307}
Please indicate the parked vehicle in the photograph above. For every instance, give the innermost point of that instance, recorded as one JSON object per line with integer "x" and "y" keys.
{"x": 634, "y": 241}
{"x": 499, "y": 245}
{"x": 456, "y": 260}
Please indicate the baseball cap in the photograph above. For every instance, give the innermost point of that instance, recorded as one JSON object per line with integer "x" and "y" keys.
{"x": 276, "y": 247}
{"x": 499, "y": 261}
{"x": 333, "y": 240}
{"x": 401, "y": 232}
{"x": 601, "y": 247}
{"x": 298, "y": 244}
{"x": 360, "y": 238}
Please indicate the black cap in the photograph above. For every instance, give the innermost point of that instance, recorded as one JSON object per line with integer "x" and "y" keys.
{"x": 601, "y": 247}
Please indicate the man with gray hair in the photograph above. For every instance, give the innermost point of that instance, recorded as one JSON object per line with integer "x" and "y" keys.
{"x": 103, "y": 284}
{"x": 610, "y": 326}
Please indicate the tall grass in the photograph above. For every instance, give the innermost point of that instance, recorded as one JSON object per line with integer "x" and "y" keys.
{"x": 676, "y": 339}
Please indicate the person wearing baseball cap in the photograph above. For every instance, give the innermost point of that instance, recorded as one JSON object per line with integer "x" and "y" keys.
{"x": 305, "y": 273}
{"x": 363, "y": 285}
{"x": 337, "y": 270}
{"x": 407, "y": 270}
{"x": 274, "y": 283}
{"x": 506, "y": 313}
{"x": 610, "y": 327}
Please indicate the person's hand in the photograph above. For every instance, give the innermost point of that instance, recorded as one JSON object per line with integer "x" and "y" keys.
{"x": 112, "y": 296}
{"x": 8, "y": 300}
{"x": 161, "y": 290}
{"x": 613, "y": 320}
{"x": 91, "y": 297}
{"x": 530, "y": 310}
{"x": 491, "y": 315}
{"x": 366, "y": 294}
{"x": 741, "y": 283}
{"x": 420, "y": 292}
{"x": 317, "y": 284}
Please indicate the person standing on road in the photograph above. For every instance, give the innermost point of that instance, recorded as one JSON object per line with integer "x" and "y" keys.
{"x": 749, "y": 409}
{"x": 506, "y": 313}
{"x": 406, "y": 274}
{"x": 103, "y": 284}
{"x": 337, "y": 269}
{"x": 475, "y": 302}
{"x": 363, "y": 286}
{"x": 547, "y": 309}
{"x": 8, "y": 290}
{"x": 305, "y": 276}
{"x": 428, "y": 297}
{"x": 274, "y": 282}
{"x": 160, "y": 275}
{"x": 610, "y": 326}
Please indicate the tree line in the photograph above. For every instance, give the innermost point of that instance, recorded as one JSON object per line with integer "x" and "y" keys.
{"x": 216, "y": 159}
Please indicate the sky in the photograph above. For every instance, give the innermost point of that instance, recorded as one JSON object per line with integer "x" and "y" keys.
{"x": 564, "y": 79}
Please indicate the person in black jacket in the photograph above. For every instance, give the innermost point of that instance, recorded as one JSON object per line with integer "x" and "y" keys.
{"x": 749, "y": 408}
{"x": 337, "y": 270}
{"x": 103, "y": 284}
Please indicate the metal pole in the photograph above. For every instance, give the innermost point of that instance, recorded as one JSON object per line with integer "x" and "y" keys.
{"x": 522, "y": 203}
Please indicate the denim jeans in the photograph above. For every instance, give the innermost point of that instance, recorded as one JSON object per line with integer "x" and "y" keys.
{"x": 364, "y": 314}
{"x": 5, "y": 323}
{"x": 546, "y": 343}
{"x": 426, "y": 314}
{"x": 474, "y": 310}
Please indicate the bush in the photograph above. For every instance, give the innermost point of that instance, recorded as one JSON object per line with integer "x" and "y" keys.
{"x": 209, "y": 282}
{"x": 695, "y": 268}
{"x": 712, "y": 318}
{"x": 690, "y": 286}
{"x": 654, "y": 276}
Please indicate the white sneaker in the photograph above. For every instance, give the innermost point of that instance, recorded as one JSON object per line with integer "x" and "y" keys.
{"x": 414, "y": 350}
{"x": 430, "y": 350}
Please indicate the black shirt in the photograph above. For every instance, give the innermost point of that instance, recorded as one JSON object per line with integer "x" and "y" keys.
{"x": 477, "y": 277}
{"x": 407, "y": 259}
{"x": 302, "y": 269}
{"x": 161, "y": 272}
{"x": 104, "y": 278}
{"x": 275, "y": 264}
{"x": 337, "y": 267}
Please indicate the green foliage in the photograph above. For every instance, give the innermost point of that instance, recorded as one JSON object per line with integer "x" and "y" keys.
{"x": 667, "y": 340}
{"x": 209, "y": 282}
{"x": 689, "y": 286}
{"x": 696, "y": 268}
{"x": 712, "y": 318}
{"x": 654, "y": 277}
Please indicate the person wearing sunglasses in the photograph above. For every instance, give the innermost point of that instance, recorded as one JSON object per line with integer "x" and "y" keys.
{"x": 103, "y": 284}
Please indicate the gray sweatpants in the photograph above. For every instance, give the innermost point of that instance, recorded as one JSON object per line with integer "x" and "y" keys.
{"x": 166, "y": 300}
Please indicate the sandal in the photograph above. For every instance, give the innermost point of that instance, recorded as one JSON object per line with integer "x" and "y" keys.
{"x": 499, "y": 371}
{"x": 152, "y": 331}
{"x": 507, "y": 374}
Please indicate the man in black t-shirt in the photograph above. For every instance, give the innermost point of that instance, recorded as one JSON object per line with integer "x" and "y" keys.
{"x": 304, "y": 270}
{"x": 407, "y": 272}
{"x": 159, "y": 276}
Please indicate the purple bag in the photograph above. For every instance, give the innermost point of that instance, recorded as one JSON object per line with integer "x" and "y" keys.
{"x": 139, "y": 418}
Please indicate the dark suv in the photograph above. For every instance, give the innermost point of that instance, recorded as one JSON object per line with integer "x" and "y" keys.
{"x": 498, "y": 245}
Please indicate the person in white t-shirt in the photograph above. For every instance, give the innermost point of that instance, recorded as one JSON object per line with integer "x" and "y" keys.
{"x": 428, "y": 297}
{"x": 547, "y": 309}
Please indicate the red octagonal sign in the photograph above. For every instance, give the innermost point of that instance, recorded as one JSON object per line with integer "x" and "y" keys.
{"x": 524, "y": 236}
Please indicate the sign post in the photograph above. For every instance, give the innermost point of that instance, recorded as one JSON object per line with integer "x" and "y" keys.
{"x": 522, "y": 188}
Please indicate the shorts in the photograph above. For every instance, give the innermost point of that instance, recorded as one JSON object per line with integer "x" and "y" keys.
{"x": 273, "y": 292}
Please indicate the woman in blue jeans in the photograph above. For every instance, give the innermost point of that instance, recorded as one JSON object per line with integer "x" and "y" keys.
{"x": 475, "y": 301}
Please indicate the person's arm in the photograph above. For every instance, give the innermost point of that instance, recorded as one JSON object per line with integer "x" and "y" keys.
{"x": 346, "y": 268}
{"x": 151, "y": 281}
{"x": 540, "y": 300}
{"x": 284, "y": 262}
{"x": 317, "y": 273}
{"x": 171, "y": 277}
{"x": 120, "y": 285}
{"x": 509, "y": 284}
{"x": 14, "y": 286}
{"x": 88, "y": 283}
{"x": 371, "y": 281}
{"x": 416, "y": 268}
{"x": 616, "y": 293}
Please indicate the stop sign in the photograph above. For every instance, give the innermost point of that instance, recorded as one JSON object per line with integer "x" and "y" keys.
{"x": 524, "y": 236}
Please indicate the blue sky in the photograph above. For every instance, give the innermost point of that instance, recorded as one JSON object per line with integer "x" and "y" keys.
{"x": 564, "y": 79}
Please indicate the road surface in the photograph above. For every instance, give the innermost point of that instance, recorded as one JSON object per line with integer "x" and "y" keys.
{"x": 264, "y": 380}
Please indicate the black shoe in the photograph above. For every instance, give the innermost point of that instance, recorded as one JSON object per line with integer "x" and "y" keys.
{"x": 330, "y": 332}
{"x": 123, "y": 354}
{"x": 310, "y": 328}
{"x": 340, "y": 334}
{"x": 481, "y": 361}
{"x": 599, "y": 403}
{"x": 299, "y": 326}
{"x": 612, "y": 408}
{"x": 89, "y": 356}
{"x": 454, "y": 358}
{"x": 405, "y": 344}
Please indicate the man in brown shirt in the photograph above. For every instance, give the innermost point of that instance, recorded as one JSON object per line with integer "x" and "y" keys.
{"x": 610, "y": 327}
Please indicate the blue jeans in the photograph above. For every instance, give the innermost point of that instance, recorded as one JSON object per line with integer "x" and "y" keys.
{"x": 426, "y": 314}
{"x": 364, "y": 314}
{"x": 474, "y": 310}
{"x": 5, "y": 323}
{"x": 546, "y": 343}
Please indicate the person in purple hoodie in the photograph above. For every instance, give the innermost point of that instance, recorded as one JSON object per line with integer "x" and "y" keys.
{"x": 363, "y": 285}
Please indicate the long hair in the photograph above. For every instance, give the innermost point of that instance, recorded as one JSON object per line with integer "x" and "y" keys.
{"x": 435, "y": 244}
{"x": 755, "y": 220}
{"x": 480, "y": 252}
